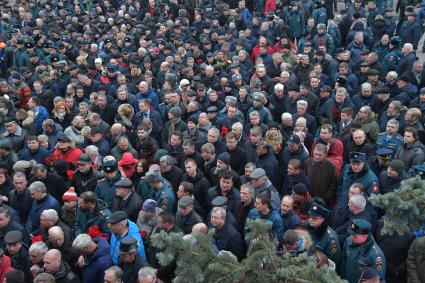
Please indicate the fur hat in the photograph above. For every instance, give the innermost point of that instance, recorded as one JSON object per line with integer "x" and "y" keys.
{"x": 126, "y": 113}
{"x": 29, "y": 120}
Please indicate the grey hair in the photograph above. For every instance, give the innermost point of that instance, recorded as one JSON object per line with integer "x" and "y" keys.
{"x": 394, "y": 122}
{"x": 366, "y": 86}
{"x": 37, "y": 186}
{"x": 208, "y": 148}
{"x": 302, "y": 103}
{"x": 40, "y": 247}
{"x": 286, "y": 115}
{"x": 146, "y": 272}
{"x": 254, "y": 114}
{"x": 51, "y": 214}
{"x": 278, "y": 86}
{"x": 116, "y": 270}
{"x": 392, "y": 74}
{"x": 221, "y": 210}
{"x": 168, "y": 159}
{"x": 248, "y": 187}
{"x": 215, "y": 130}
{"x": 82, "y": 241}
{"x": 238, "y": 125}
{"x": 358, "y": 201}
{"x": 92, "y": 149}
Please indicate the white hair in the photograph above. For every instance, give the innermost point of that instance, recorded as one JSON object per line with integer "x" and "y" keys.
{"x": 286, "y": 115}
{"x": 37, "y": 186}
{"x": 302, "y": 103}
{"x": 51, "y": 214}
{"x": 40, "y": 247}
{"x": 278, "y": 86}
{"x": 92, "y": 149}
{"x": 82, "y": 241}
{"x": 359, "y": 201}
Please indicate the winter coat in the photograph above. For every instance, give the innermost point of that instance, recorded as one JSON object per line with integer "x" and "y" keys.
{"x": 38, "y": 206}
{"x": 238, "y": 159}
{"x": 21, "y": 261}
{"x": 271, "y": 191}
{"x": 131, "y": 269}
{"x": 85, "y": 221}
{"x": 335, "y": 155}
{"x": 326, "y": 240}
{"x": 291, "y": 181}
{"x": 343, "y": 231}
{"x": 270, "y": 164}
{"x": 366, "y": 177}
{"x": 38, "y": 155}
{"x": 55, "y": 185}
{"x": 17, "y": 139}
{"x": 185, "y": 223}
{"x": 228, "y": 239}
{"x": 272, "y": 217}
{"x": 164, "y": 197}
{"x": 411, "y": 154}
{"x": 416, "y": 261}
{"x": 355, "y": 257}
{"x": 322, "y": 178}
{"x": 71, "y": 155}
{"x": 96, "y": 263}
{"x": 133, "y": 232}
{"x": 86, "y": 182}
{"x": 174, "y": 176}
{"x": 12, "y": 226}
{"x": 388, "y": 184}
{"x": 132, "y": 205}
{"x": 105, "y": 189}
{"x": 396, "y": 249}
{"x": 232, "y": 197}
{"x": 290, "y": 220}
{"x": 411, "y": 33}
{"x": 200, "y": 188}
{"x": 21, "y": 202}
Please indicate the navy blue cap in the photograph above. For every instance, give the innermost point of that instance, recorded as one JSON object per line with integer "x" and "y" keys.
{"x": 357, "y": 157}
{"x": 384, "y": 153}
{"x": 318, "y": 210}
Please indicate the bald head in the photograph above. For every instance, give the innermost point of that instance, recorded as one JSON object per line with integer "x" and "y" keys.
{"x": 52, "y": 261}
{"x": 200, "y": 228}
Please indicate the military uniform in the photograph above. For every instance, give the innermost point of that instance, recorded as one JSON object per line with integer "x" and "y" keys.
{"x": 392, "y": 59}
{"x": 324, "y": 39}
{"x": 384, "y": 141}
{"x": 356, "y": 257}
{"x": 105, "y": 188}
{"x": 325, "y": 238}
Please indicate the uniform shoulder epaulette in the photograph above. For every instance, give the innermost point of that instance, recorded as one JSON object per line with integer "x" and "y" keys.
{"x": 101, "y": 180}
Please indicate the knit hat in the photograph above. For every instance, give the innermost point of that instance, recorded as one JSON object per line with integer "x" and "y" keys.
{"x": 300, "y": 189}
{"x": 192, "y": 119}
{"x": 397, "y": 165}
{"x": 149, "y": 205}
{"x": 301, "y": 121}
{"x": 224, "y": 157}
{"x": 70, "y": 195}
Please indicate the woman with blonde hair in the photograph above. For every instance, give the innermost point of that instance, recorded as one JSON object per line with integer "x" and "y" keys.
{"x": 61, "y": 114}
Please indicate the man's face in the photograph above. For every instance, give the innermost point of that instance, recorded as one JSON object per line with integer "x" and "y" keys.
{"x": 315, "y": 221}
{"x": 286, "y": 205}
{"x": 101, "y": 101}
{"x": 14, "y": 248}
{"x": 325, "y": 135}
{"x": 212, "y": 137}
{"x": 391, "y": 129}
{"x": 175, "y": 140}
{"x": 36, "y": 257}
{"x": 226, "y": 185}
{"x": 318, "y": 155}
{"x": 301, "y": 109}
{"x": 258, "y": 182}
{"x": 366, "y": 92}
{"x": 392, "y": 173}
{"x": 359, "y": 239}
{"x": 245, "y": 195}
{"x": 110, "y": 278}
{"x": 292, "y": 171}
{"x": 293, "y": 147}
{"x": 20, "y": 184}
{"x": 357, "y": 166}
{"x": 4, "y": 220}
{"x": 51, "y": 264}
{"x": 190, "y": 168}
{"x": 185, "y": 210}
{"x": 231, "y": 144}
{"x": 216, "y": 220}
{"x": 11, "y": 127}
{"x": 408, "y": 137}
{"x": 359, "y": 137}
{"x": 57, "y": 240}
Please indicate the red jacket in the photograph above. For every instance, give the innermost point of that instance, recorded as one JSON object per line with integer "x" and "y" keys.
{"x": 5, "y": 266}
{"x": 269, "y": 7}
{"x": 70, "y": 156}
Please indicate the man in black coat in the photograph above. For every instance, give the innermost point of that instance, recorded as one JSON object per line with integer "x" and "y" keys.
{"x": 7, "y": 224}
{"x": 186, "y": 217}
{"x": 225, "y": 188}
{"x": 55, "y": 184}
{"x": 20, "y": 198}
{"x": 170, "y": 171}
{"x": 226, "y": 236}
{"x": 130, "y": 261}
{"x": 61, "y": 270}
{"x": 85, "y": 177}
{"x": 237, "y": 154}
{"x": 390, "y": 179}
{"x": 126, "y": 199}
{"x": 18, "y": 252}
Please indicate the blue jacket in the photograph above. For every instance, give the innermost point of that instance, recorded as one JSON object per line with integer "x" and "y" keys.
{"x": 105, "y": 189}
{"x": 411, "y": 33}
{"x": 133, "y": 232}
{"x": 53, "y": 137}
{"x": 38, "y": 156}
{"x": 290, "y": 220}
{"x": 40, "y": 116}
{"x": 366, "y": 177}
{"x": 320, "y": 16}
{"x": 393, "y": 142}
{"x": 96, "y": 263}
{"x": 151, "y": 96}
{"x": 273, "y": 217}
{"x": 48, "y": 202}
{"x": 296, "y": 23}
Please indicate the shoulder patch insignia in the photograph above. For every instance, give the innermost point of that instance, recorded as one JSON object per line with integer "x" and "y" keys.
{"x": 332, "y": 245}
{"x": 375, "y": 188}
{"x": 379, "y": 263}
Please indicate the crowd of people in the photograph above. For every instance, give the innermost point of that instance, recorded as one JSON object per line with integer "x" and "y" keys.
{"x": 122, "y": 119}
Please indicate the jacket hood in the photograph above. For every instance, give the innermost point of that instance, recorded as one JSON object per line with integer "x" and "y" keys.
{"x": 379, "y": 23}
{"x": 127, "y": 159}
{"x": 29, "y": 120}
{"x": 359, "y": 25}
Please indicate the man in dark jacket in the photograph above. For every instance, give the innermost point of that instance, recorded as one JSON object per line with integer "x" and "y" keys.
{"x": 61, "y": 270}
{"x": 390, "y": 179}
{"x": 126, "y": 199}
{"x": 85, "y": 177}
{"x": 96, "y": 257}
{"x": 18, "y": 252}
{"x": 170, "y": 171}
{"x": 237, "y": 153}
{"x": 244, "y": 206}
{"x": 225, "y": 188}
{"x": 267, "y": 160}
{"x": 55, "y": 184}
{"x": 20, "y": 198}
{"x": 8, "y": 224}
{"x": 226, "y": 236}
{"x": 186, "y": 217}
{"x": 289, "y": 219}
{"x": 130, "y": 261}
